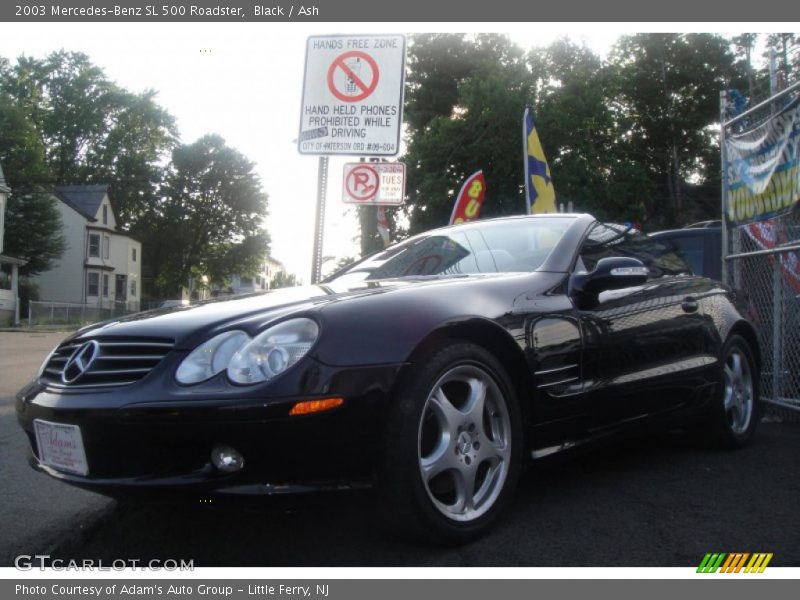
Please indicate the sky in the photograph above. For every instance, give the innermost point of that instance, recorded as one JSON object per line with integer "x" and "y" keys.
{"x": 244, "y": 82}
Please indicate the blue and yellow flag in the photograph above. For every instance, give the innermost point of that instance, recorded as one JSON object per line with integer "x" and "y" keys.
{"x": 539, "y": 192}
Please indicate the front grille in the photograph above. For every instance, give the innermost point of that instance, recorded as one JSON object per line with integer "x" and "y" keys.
{"x": 109, "y": 362}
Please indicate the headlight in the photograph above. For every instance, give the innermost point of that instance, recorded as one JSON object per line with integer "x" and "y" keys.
{"x": 211, "y": 357}
{"x": 273, "y": 351}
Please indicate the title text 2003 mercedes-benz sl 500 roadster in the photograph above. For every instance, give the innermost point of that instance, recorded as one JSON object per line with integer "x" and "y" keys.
{"x": 434, "y": 369}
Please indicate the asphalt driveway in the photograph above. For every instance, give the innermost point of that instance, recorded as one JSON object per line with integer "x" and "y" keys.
{"x": 36, "y": 513}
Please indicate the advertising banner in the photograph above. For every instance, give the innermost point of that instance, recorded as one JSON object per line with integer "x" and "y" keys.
{"x": 469, "y": 200}
{"x": 763, "y": 168}
{"x": 539, "y": 192}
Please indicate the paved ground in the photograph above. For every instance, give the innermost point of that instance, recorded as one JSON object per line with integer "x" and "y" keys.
{"x": 35, "y": 512}
{"x": 660, "y": 501}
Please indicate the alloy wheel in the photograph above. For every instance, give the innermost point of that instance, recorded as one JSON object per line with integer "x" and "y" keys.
{"x": 464, "y": 443}
{"x": 739, "y": 398}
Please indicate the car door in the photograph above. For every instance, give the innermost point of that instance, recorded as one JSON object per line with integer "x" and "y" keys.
{"x": 552, "y": 346}
{"x": 643, "y": 345}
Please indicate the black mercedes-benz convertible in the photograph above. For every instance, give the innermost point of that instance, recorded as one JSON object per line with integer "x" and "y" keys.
{"x": 432, "y": 370}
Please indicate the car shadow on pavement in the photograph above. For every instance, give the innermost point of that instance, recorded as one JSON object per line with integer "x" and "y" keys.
{"x": 660, "y": 500}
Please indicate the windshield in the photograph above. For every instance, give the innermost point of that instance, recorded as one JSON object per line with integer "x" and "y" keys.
{"x": 514, "y": 245}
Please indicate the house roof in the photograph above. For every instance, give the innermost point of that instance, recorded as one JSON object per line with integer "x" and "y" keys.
{"x": 86, "y": 199}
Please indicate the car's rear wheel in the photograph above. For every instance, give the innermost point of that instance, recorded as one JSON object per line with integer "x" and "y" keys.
{"x": 453, "y": 444}
{"x": 738, "y": 409}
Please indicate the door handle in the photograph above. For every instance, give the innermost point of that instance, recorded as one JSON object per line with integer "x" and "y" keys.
{"x": 689, "y": 304}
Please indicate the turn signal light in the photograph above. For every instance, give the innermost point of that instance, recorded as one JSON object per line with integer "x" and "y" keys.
{"x": 307, "y": 407}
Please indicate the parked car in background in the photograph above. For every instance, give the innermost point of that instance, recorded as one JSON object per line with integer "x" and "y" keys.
{"x": 699, "y": 244}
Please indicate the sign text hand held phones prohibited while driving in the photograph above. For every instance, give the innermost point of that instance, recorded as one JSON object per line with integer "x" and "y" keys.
{"x": 353, "y": 95}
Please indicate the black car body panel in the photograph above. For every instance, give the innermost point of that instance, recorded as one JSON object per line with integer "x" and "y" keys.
{"x": 582, "y": 370}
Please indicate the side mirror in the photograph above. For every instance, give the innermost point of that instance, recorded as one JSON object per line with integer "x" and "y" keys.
{"x": 612, "y": 273}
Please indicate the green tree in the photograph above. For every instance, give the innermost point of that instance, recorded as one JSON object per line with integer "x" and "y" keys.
{"x": 667, "y": 87}
{"x": 464, "y": 107}
{"x": 785, "y": 49}
{"x": 22, "y": 152}
{"x": 579, "y": 121}
{"x": 743, "y": 46}
{"x": 629, "y": 138}
{"x": 41, "y": 244}
{"x": 90, "y": 129}
{"x": 208, "y": 219}
{"x": 226, "y": 258}
{"x": 32, "y": 220}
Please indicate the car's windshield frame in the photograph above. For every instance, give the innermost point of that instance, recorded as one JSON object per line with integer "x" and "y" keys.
{"x": 485, "y": 256}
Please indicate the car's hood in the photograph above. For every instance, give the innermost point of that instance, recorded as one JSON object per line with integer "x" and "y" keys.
{"x": 183, "y": 323}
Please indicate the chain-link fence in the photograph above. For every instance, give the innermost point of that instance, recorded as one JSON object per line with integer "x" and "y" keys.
{"x": 762, "y": 261}
{"x": 763, "y": 267}
{"x": 68, "y": 313}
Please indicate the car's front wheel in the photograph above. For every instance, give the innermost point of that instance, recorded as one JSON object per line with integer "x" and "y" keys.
{"x": 453, "y": 444}
{"x": 738, "y": 410}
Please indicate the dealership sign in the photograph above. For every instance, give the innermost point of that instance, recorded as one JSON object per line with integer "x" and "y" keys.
{"x": 352, "y": 95}
{"x": 469, "y": 201}
{"x": 763, "y": 168}
{"x": 374, "y": 183}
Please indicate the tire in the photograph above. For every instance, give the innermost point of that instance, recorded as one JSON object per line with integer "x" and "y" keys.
{"x": 453, "y": 447}
{"x": 738, "y": 408}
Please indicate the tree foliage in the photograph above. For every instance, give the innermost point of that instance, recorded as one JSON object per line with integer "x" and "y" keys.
{"x": 459, "y": 122}
{"x": 631, "y": 137}
{"x": 208, "y": 220}
{"x": 669, "y": 86}
{"x": 40, "y": 245}
{"x": 197, "y": 208}
{"x": 91, "y": 130}
{"x": 21, "y": 148}
{"x": 32, "y": 220}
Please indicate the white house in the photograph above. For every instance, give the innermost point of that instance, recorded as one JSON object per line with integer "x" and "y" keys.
{"x": 101, "y": 265}
{"x": 9, "y": 266}
{"x": 261, "y": 281}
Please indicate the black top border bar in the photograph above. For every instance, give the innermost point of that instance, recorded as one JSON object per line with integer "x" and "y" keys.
{"x": 362, "y": 11}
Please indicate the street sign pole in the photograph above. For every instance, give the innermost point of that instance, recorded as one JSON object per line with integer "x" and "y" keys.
{"x": 352, "y": 104}
{"x": 319, "y": 225}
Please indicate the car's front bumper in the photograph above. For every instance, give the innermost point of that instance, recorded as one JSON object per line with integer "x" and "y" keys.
{"x": 136, "y": 445}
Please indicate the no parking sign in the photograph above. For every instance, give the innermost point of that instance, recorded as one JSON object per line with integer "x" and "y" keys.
{"x": 353, "y": 95}
{"x": 382, "y": 184}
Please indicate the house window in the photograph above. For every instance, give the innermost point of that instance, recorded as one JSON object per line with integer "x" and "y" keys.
{"x": 133, "y": 254}
{"x": 133, "y": 289}
{"x": 5, "y": 276}
{"x": 93, "y": 284}
{"x": 106, "y": 243}
{"x": 94, "y": 245}
{"x": 105, "y": 214}
{"x": 121, "y": 288}
{"x": 105, "y": 285}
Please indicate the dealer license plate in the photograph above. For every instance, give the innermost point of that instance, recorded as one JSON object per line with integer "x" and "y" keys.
{"x": 61, "y": 446}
